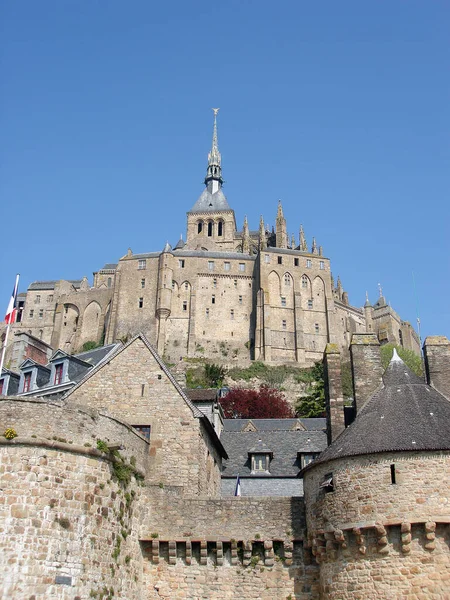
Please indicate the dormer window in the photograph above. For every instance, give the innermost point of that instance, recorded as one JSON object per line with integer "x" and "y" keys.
{"x": 305, "y": 459}
{"x": 58, "y": 374}
{"x": 260, "y": 463}
{"x": 26, "y": 382}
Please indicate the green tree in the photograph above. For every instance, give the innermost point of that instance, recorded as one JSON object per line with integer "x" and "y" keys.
{"x": 313, "y": 404}
{"x": 410, "y": 358}
{"x": 214, "y": 375}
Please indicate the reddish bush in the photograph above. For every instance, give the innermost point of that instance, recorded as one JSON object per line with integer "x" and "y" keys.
{"x": 265, "y": 403}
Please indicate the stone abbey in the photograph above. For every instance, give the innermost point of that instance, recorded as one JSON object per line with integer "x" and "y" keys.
{"x": 249, "y": 294}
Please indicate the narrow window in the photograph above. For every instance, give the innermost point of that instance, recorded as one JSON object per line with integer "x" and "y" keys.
{"x": 58, "y": 374}
{"x": 142, "y": 264}
{"x": 283, "y": 324}
{"x": 38, "y": 299}
{"x": 173, "y": 284}
{"x": 141, "y": 302}
{"x": 31, "y": 313}
{"x": 241, "y": 266}
{"x": 226, "y": 266}
{"x": 280, "y": 260}
{"x": 316, "y": 328}
{"x": 296, "y": 262}
{"x": 266, "y": 258}
{"x": 199, "y": 227}
{"x": 328, "y": 484}
{"x": 41, "y": 313}
{"x": 181, "y": 263}
{"x": 214, "y": 282}
{"x": 304, "y": 281}
{"x": 2, "y": 381}
{"x": 310, "y": 303}
{"x": 400, "y": 337}
{"x": 309, "y": 263}
{"x": 235, "y": 283}
{"x": 210, "y": 229}
{"x": 232, "y": 314}
{"x": 283, "y": 301}
{"x": 213, "y": 299}
{"x": 186, "y": 285}
{"x": 142, "y": 389}
{"x": 220, "y": 229}
{"x": 240, "y": 299}
{"x": 210, "y": 265}
{"x": 184, "y": 306}
{"x": 287, "y": 279}
{"x": 50, "y": 298}
{"x": 321, "y": 265}
{"x": 27, "y": 382}
{"x": 207, "y": 313}
{"x": 143, "y": 283}
{"x": 109, "y": 282}
{"x": 393, "y": 474}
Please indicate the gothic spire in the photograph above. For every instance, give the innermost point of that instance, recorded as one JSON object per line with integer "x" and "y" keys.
{"x": 303, "y": 244}
{"x": 262, "y": 234}
{"x": 314, "y": 246}
{"x": 245, "y": 237}
{"x": 214, "y": 171}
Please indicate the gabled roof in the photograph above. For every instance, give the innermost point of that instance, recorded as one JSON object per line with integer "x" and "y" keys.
{"x": 93, "y": 357}
{"x": 29, "y": 362}
{"x": 404, "y": 414}
{"x": 201, "y": 394}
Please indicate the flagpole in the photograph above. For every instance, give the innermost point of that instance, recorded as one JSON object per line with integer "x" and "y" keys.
{"x": 8, "y": 327}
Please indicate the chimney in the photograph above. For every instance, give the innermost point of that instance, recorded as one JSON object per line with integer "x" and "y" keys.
{"x": 334, "y": 400}
{"x": 367, "y": 369}
{"x": 436, "y": 350}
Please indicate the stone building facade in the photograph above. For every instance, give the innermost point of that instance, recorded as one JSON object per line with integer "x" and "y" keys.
{"x": 245, "y": 294}
{"x": 113, "y": 492}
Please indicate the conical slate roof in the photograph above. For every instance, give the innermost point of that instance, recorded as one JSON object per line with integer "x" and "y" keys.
{"x": 211, "y": 202}
{"x": 404, "y": 414}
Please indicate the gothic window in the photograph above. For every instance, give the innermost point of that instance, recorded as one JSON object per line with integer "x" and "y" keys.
{"x": 304, "y": 281}
{"x": 186, "y": 285}
{"x": 287, "y": 279}
{"x": 220, "y": 229}
{"x": 210, "y": 228}
{"x": 200, "y": 227}
{"x": 142, "y": 264}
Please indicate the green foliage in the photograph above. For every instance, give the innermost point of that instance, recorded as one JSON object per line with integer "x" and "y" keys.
{"x": 90, "y": 346}
{"x": 102, "y": 446}
{"x": 272, "y": 376}
{"x": 347, "y": 380}
{"x": 195, "y": 378}
{"x": 313, "y": 404}
{"x": 410, "y": 358}
{"x": 214, "y": 375}
{"x": 10, "y": 433}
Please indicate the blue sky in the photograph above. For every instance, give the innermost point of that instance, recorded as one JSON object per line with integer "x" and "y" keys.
{"x": 340, "y": 109}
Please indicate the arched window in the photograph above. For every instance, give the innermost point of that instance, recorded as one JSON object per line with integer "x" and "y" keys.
{"x": 210, "y": 229}
{"x": 304, "y": 281}
{"x": 220, "y": 229}
{"x": 200, "y": 227}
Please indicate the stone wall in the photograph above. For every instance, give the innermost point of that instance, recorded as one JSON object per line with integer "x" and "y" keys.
{"x": 133, "y": 387}
{"x": 68, "y": 522}
{"x": 383, "y": 527}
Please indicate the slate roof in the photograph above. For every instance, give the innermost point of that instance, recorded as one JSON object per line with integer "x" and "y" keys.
{"x": 284, "y": 444}
{"x": 109, "y": 267}
{"x": 208, "y": 202}
{"x": 197, "y": 394}
{"x": 274, "y": 424}
{"x": 404, "y": 414}
{"x": 50, "y": 285}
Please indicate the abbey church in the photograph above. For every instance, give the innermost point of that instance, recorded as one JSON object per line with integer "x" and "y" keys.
{"x": 223, "y": 292}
